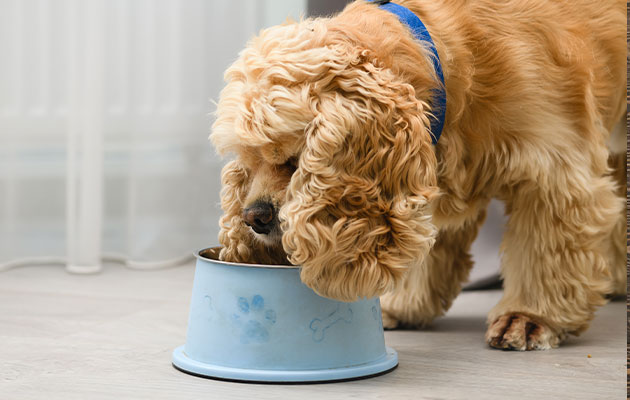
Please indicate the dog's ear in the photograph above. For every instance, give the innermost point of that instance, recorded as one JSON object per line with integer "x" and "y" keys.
{"x": 358, "y": 207}
{"x": 238, "y": 243}
{"x": 233, "y": 235}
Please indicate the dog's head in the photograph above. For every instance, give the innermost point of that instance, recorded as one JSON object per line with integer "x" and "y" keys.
{"x": 335, "y": 168}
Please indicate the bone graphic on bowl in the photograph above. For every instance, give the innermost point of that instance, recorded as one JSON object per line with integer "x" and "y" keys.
{"x": 319, "y": 326}
{"x": 376, "y": 313}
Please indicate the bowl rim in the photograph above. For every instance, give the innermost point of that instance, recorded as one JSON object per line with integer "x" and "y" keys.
{"x": 199, "y": 256}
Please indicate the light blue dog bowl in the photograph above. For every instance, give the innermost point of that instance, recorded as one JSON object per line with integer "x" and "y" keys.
{"x": 260, "y": 323}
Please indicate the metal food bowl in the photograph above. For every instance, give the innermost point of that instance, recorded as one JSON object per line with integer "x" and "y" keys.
{"x": 260, "y": 323}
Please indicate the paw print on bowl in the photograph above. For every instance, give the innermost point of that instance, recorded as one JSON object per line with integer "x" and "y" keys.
{"x": 253, "y": 320}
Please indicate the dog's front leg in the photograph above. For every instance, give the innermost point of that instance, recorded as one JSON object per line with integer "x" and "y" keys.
{"x": 555, "y": 265}
{"x": 431, "y": 286}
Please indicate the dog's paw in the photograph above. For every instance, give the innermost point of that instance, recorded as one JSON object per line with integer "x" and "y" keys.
{"x": 389, "y": 321}
{"x": 519, "y": 332}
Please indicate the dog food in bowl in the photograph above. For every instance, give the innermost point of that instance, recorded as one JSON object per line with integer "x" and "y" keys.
{"x": 260, "y": 323}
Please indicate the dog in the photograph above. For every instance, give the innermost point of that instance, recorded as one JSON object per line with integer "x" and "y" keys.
{"x": 335, "y": 168}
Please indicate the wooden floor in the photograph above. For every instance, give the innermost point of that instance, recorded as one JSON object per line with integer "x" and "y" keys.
{"x": 110, "y": 336}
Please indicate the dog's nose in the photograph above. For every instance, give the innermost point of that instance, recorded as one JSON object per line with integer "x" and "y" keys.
{"x": 259, "y": 216}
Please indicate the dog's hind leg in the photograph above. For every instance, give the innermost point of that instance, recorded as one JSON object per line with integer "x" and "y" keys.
{"x": 430, "y": 287}
{"x": 555, "y": 261}
{"x": 617, "y": 241}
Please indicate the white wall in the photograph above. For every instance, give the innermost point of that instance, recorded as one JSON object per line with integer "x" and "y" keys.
{"x": 113, "y": 97}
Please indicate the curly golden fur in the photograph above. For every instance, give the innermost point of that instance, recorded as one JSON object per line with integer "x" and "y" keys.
{"x": 329, "y": 119}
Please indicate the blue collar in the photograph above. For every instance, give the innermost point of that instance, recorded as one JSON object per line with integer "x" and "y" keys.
{"x": 410, "y": 19}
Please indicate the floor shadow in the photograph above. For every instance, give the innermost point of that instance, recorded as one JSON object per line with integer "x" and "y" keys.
{"x": 460, "y": 324}
{"x": 616, "y": 297}
{"x": 492, "y": 282}
{"x": 450, "y": 324}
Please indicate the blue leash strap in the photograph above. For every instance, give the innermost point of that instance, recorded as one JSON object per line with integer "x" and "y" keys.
{"x": 421, "y": 33}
